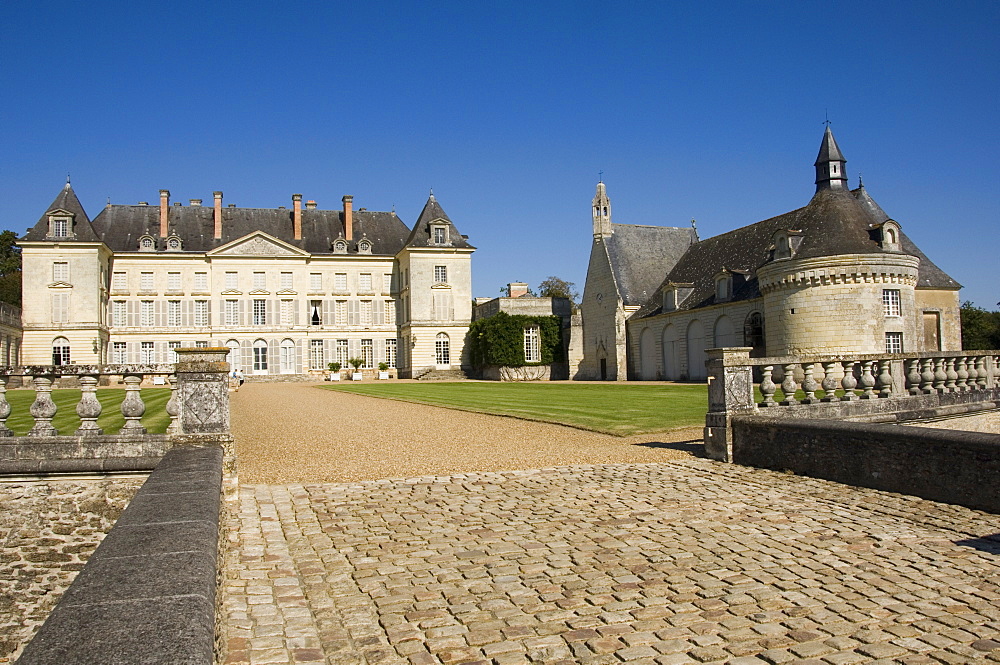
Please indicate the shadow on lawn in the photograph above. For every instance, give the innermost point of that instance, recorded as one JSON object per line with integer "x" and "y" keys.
{"x": 694, "y": 446}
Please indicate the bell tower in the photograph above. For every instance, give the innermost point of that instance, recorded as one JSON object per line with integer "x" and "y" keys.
{"x": 602, "y": 212}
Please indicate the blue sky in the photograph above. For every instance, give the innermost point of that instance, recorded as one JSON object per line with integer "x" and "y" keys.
{"x": 707, "y": 110}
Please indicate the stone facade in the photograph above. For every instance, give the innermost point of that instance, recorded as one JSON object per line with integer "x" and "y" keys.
{"x": 287, "y": 291}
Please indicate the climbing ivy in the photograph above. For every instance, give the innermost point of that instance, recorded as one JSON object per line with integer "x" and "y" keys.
{"x": 499, "y": 340}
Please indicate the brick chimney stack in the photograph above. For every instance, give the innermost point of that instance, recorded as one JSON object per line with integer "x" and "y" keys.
{"x": 310, "y": 205}
{"x": 517, "y": 289}
{"x": 297, "y": 216}
{"x": 217, "y": 216}
{"x": 348, "y": 217}
{"x": 164, "y": 210}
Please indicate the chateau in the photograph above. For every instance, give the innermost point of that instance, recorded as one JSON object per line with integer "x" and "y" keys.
{"x": 287, "y": 290}
{"x": 836, "y": 276}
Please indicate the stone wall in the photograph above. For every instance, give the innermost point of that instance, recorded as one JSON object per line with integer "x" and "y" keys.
{"x": 603, "y": 321}
{"x": 986, "y": 422}
{"x": 48, "y": 530}
{"x": 949, "y": 466}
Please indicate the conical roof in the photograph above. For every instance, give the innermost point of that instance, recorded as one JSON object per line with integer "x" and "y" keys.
{"x": 66, "y": 201}
{"x": 829, "y": 151}
{"x": 421, "y": 236}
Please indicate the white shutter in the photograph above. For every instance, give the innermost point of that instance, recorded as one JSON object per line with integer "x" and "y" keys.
{"x": 353, "y": 312}
{"x": 378, "y": 312}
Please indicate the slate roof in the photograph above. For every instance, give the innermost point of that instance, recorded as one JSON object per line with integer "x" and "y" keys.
{"x": 834, "y": 222}
{"x": 829, "y": 151}
{"x": 420, "y": 236}
{"x": 639, "y": 255}
{"x": 65, "y": 200}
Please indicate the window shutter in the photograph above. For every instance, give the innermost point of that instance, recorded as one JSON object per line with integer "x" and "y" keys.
{"x": 378, "y": 312}
{"x": 133, "y": 352}
{"x": 160, "y": 317}
{"x": 295, "y": 315}
{"x": 186, "y": 319}
{"x": 131, "y": 305}
{"x": 353, "y": 348}
{"x": 298, "y": 356}
{"x": 328, "y": 308}
{"x": 354, "y": 312}
{"x": 242, "y": 316}
{"x": 273, "y": 313}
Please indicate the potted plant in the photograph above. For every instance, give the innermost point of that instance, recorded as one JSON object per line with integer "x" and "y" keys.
{"x": 356, "y": 364}
{"x": 383, "y": 370}
{"x": 334, "y": 371}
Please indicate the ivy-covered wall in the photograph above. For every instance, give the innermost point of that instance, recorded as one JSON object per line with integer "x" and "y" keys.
{"x": 499, "y": 340}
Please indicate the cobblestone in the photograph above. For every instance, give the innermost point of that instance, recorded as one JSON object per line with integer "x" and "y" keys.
{"x": 48, "y": 530}
{"x": 679, "y": 562}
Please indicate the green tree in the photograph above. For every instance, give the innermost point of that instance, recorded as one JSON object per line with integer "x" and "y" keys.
{"x": 553, "y": 287}
{"x": 10, "y": 269}
{"x": 980, "y": 327}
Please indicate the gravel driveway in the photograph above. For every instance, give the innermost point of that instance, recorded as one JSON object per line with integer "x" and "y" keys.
{"x": 296, "y": 432}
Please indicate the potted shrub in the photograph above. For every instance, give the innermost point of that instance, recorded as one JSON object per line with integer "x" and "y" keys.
{"x": 383, "y": 370}
{"x": 334, "y": 371}
{"x": 356, "y": 364}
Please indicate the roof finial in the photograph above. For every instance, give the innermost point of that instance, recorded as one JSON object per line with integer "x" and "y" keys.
{"x": 826, "y": 122}
{"x": 600, "y": 176}
{"x": 432, "y": 192}
{"x": 67, "y": 179}
{"x": 694, "y": 224}
{"x": 861, "y": 183}
{"x": 394, "y": 208}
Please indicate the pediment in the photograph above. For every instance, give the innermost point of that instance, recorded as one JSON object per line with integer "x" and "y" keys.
{"x": 287, "y": 292}
{"x": 60, "y": 285}
{"x": 258, "y": 244}
{"x": 60, "y": 212}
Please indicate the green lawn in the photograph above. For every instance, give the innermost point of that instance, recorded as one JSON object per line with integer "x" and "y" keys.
{"x": 620, "y": 409}
{"x": 66, "y": 421}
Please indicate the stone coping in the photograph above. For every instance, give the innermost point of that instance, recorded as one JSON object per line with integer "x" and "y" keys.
{"x": 148, "y": 592}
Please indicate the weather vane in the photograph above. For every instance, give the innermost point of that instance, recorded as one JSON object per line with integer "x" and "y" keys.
{"x": 826, "y": 114}
{"x": 600, "y": 176}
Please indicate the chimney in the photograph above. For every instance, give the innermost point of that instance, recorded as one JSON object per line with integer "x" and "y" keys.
{"x": 297, "y": 216}
{"x": 218, "y": 215}
{"x": 348, "y": 217}
{"x": 517, "y": 289}
{"x": 310, "y": 205}
{"x": 195, "y": 203}
{"x": 164, "y": 206}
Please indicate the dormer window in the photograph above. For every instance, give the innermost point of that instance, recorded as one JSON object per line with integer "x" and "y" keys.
{"x": 439, "y": 234}
{"x": 60, "y": 227}
{"x": 669, "y": 299}
{"x": 147, "y": 244}
{"x": 340, "y": 246}
{"x": 781, "y": 248}
{"x": 723, "y": 287}
{"x": 173, "y": 244}
{"x": 364, "y": 246}
{"x": 890, "y": 236}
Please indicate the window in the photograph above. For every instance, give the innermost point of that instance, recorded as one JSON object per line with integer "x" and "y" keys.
{"x": 259, "y": 281}
{"x": 340, "y": 247}
{"x": 367, "y": 354}
{"x": 287, "y": 356}
{"x": 442, "y": 349}
{"x": 173, "y": 313}
{"x": 316, "y": 282}
{"x": 173, "y": 346}
{"x": 259, "y": 312}
{"x": 365, "y": 282}
{"x": 232, "y": 280}
{"x": 440, "y": 235}
{"x": 340, "y": 282}
{"x": 286, "y": 280}
{"x": 232, "y": 313}
{"x": 118, "y": 315}
{"x": 315, "y": 312}
{"x": 145, "y": 281}
{"x": 442, "y": 302}
{"x": 722, "y": 289}
{"x": 387, "y": 283}
{"x": 173, "y": 281}
{"x": 390, "y": 352}
{"x": 201, "y": 344}
{"x": 173, "y": 243}
{"x": 201, "y": 312}
{"x": 341, "y": 352}
{"x": 364, "y": 247}
{"x": 341, "y": 312}
{"x": 60, "y": 227}
{"x": 366, "y": 312}
{"x": 60, "y": 271}
{"x": 890, "y": 302}
{"x": 234, "y": 356}
{"x": 119, "y": 353}
{"x": 440, "y": 274}
{"x": 146, "y": 244}
{"x": 119, "y": 281}
{"x": 316, "y": 354}
{"x": 532, "y": 345}
{"x": 894, "y": 342}
{"x": 201, "y": 281}
{"x": 147, "y": 355}
{"x": 60, "y": 351}
{"x": 390, "y": 312}
{"x": 287, "y": 312}
{"x": 260, "y": 357}
{"x": 753, "y": 332}
{"x": 146, "y": 313}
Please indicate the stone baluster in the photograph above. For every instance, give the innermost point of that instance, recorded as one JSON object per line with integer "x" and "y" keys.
{"x": 4, "y": 408}
{"x": 830, "y": 382}
{"x": 868, "y": 380}
{"x": 884, "y": 378}
{"x": 973, "y": 374}
{"x": 849, "y": 383}
{"x": 43, "y": 409}
{"x": 963, "y": 375}
{"x": 927, "y": 376}
{"x": 981, "y": 381}
{"x": 809, "y": 384}
{"x": 173, "y": 407}
{"x": 89, "y": 409}
{"x": 951, "y": 374}
{"x": 940, "y": 376}
{"x": 788, "y": 386}
{"x": 133, "y": 406}
{"x": 913, "y": 376}
{"x": 767, "y": 386}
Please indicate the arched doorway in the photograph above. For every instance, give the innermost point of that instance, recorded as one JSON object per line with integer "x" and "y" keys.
{"x": 753, "y": 334}
{"x": 234, "y": 358}
{"x": 647, "y": 355}
{"x": 671, "y": 361}
{"x": 442, "y": 351}
{"x": 696, "y": 351}
{"x": 260, "y": 357}
{"x": 287, "y": 351}
{"x": 724, "y": 334}
{"x": 60, "y": 351}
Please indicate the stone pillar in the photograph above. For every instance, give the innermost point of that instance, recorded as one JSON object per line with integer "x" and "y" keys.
{"x": 730, "y": 392}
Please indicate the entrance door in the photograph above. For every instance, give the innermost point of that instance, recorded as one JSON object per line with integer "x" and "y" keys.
{"x": 260, "y": 357}
{"x": 442, "y": 351}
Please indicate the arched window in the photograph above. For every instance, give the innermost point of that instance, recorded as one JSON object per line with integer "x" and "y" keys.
{"x": 364, "y": 247}
{"x": 260, "y": 357}
{"x": 532, "y": 345}
{"x": 340, "y": 247}
{"x": 233, "y": 358}
{"x": 753, "y": 333}
{"x": 60, "y": 351}
{"x": 146, "y": 244}
{"x": 288, "y": 355}
{"x": 442, "y": 349}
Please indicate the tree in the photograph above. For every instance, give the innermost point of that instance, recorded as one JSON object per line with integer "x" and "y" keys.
{"x": 980, "y": 328}
{"x": 553, "y": 287}
{"x": 10, "y": 269}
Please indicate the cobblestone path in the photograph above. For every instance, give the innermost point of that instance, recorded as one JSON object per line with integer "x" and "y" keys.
{"x": 682, "y": 562}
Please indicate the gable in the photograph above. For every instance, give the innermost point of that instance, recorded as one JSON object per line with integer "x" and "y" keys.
{"x": 258, "y": 244}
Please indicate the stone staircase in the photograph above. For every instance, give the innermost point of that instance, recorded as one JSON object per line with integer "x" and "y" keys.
{"x": 443, "y": 375}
